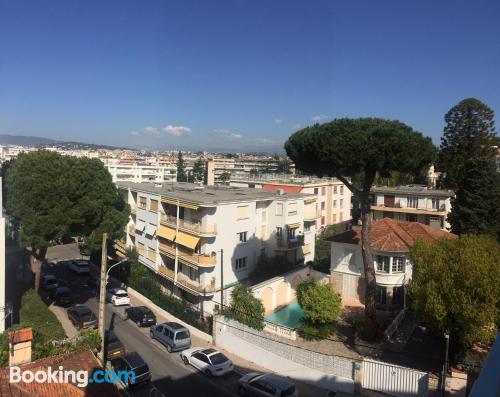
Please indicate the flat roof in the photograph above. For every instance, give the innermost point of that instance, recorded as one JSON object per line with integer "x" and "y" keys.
{"x": 412, "y": 189}
{"x": 208, "y": 195}
{"x": 290, "y": 181}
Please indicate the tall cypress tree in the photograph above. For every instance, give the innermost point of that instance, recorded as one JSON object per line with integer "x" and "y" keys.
{"x": 181, "y": 168}
{"x": 469, "y": 133}
{"x": 476, "y": 209}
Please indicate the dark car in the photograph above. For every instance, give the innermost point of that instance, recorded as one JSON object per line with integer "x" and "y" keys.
{"x": 113, "y": 346}
{"x": 82, "y": 317}
{"x": 141, "y": 315}
{"x": 132, "y": 362}
{"x": 62, "y": 296}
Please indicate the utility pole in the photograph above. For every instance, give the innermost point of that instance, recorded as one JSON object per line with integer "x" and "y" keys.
{"x": 221, "y": 280}
{"x": 102, "y": 293}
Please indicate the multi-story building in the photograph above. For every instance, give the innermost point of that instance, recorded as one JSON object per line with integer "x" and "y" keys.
{"x": 333, "y": 198}
{"x": 201, "y": 237}
{"x": 3, "y": 307}
{"x": 412, "y": 203}
{"x": 142, "y": 173}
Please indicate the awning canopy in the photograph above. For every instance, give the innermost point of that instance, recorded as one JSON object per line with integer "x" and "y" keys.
{"x": 310, "y": 200}
{"x": 180, "y": 203}
{"x": 150, "y": 229}
{"x": 140, "y": 225}
{"x": 293, "y": 225}
{"x": 166, "y": 232}
{"x": 187, "y": 240}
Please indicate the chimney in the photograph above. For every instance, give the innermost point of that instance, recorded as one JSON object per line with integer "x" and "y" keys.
{"x": 20, "y": 346}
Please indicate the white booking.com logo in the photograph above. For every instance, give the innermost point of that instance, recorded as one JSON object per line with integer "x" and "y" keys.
{"x": 79, "y": 378}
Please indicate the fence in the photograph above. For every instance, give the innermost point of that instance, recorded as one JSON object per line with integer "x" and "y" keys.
{"x": 327, "y": 371}
{"x": 280, "y": 330}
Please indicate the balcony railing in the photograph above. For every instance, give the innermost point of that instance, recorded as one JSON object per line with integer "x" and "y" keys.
{"x": 291, "y": 243}
{"x": 311, "y": 215}
{"x": 192, "y": 226}
{"x": 185, "y": 281}
{"x": 201, "y": 260}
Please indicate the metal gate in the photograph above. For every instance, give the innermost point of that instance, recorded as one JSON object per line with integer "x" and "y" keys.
{"x": 394, "y": 380}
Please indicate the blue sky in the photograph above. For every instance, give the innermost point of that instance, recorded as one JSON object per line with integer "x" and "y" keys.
{"x": 235, "y": 74}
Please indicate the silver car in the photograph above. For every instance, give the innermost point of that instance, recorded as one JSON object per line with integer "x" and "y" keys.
{"x": 254, "y": 384}
{"x": 173, "y": 335}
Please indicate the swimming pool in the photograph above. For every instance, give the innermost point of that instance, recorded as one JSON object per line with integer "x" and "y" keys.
{"x": 289, "y": 316}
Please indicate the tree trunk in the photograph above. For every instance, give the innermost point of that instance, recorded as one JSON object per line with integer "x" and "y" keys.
{"x": 36, "y": 259}
{"x": 371, "y": 325}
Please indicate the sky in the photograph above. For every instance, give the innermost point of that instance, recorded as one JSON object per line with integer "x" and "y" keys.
{"x": 238, "y": 75}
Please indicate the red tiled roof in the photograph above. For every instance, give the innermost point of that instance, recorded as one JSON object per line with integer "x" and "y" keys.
{"x": 70, "y": 361}
{"x": 21, "y": 335}
{"x": 393, "y": 236}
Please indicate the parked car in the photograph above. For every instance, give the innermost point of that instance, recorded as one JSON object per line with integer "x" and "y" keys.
{"x": 113, "y": 346}
{"x": 209, "y": 361}
{"x": 82, "y": 317}
{"x": 62, "y": 296}
{"x": 49, "y": 282}
{"x": 141, "y": 315}
{"x": 254, "y": 384}
{"x": 173, "y": 335}
{"x": 132, "y": 362}
{"x": 117, "y": 297}
{"x": 79, "y": 266}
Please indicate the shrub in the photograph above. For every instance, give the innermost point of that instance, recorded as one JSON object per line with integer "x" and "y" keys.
{"x": 245, "y": 308}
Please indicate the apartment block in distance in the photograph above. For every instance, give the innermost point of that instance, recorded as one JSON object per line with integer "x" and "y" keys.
{"x": 181, "y": 229}
{"x": 412, "y": 203}
{"x": 333, "y": 198}
{"x": 142, "y": 173}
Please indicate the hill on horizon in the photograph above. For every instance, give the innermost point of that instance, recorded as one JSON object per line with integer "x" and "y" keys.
{"x": 23, "y": 140}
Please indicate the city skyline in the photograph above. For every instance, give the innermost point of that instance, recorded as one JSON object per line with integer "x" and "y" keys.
{"x": 233, "y": 77}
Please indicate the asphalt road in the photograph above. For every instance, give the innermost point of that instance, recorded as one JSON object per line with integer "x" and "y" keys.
{"x": 169, "y": 374}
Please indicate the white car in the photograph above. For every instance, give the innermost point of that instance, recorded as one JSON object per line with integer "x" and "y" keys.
{"x": 117, "y": 296}
{"x": 209, "y": 361}
{"x": 79, "y": 266}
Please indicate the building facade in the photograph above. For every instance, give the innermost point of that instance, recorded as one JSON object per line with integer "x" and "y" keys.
{"x": 333, "y": 198}
{"x": 391, "y": 241}
{"x": 413, "y": 203}
{"x": 201, "y": 237}
{"x": 3, "y": 306}
{"x": 142, "y": 173}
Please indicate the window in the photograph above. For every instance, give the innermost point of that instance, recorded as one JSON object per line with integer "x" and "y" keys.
{"x": 279, "y": 209}
{"x": 140, "y": 248}
{"x": 341, "y": 203}
{"x": 412, "y": 202}
{"x": 397, "y": 264}
{"x": 334, "y": 203}
{"x": 292, "y": 208}
{"x": 315, "y": 190}
{"x": 242, "y": 237}
{"x": 307, "y": 226}
{"x": 342, "y": 189}
{"x": 323, "y": 190}
{"x": 153, "y": 205}
{"x": 290, "y": 233}
{"x": 334, "y": 218}
{"x": 151, "y": 254}
{"x": 383, "y": 263}
{"x": 335, "y": 190}
{"x": 435, "y": 203}
{"x": 411, "y": 218}
{"x": 322, "y": 220}
{"x": 341, "y": 217}
{"x": 142, "y": 202}
{"x": 381, "y": 295}
{"x": 242, "y": 212}
{"x": 193, "y": 274}
{"x": 279, "y": 231}
{"x": 240, "y": 263}
{"x": 322, "y": 205}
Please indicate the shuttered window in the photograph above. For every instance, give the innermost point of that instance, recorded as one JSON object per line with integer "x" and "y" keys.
{"x": 292, "y": 208}
{"x": 142, "y": 202}
{"x": 279, "y": 209}
{"x": 242, "y": 212}
{"x": 140, "y": 248}
{"x": 153, "y": 205}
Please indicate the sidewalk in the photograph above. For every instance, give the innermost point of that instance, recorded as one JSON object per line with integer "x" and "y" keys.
{"x": 242, "y": 366}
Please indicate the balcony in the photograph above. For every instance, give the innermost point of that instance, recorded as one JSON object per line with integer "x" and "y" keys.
{"x": 194, "y": 227}
{"x": 400, "y": 208}
{"x": 312, "y": 215}
{"x": 187, "y": 283}
{"x": 291, "y": 243}
{"x": 200, "y": 260}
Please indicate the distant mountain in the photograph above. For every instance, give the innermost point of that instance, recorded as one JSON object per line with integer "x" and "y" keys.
{"x": 22, "y": 140}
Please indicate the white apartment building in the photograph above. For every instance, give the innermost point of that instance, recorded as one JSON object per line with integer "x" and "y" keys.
{"x": 413, "y": 203}
{"x": 142, "y": 173}
{"x": 180, "y": 231}
{"x": 3, "y": 308}
{"x": 333, "y": 198}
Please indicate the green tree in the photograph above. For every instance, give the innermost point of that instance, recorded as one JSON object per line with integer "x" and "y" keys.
{"x": 198, "y": 171}
{"x": 245, "y": 307}
{"x": 50, "y": 196}
{"x": 469, "y": 133}
{"x": 355, "y": 151}
{"x": 323, "y": 247}
{"x": 254, "y": 172}
{"x": 181, "y": 168}
{"x": 455, "y": 287}
{"x": 322, "y": 307}
{"x": 476, "y": 208}
{"x": 283, "y": 166}
{"x": 225, "y": 177}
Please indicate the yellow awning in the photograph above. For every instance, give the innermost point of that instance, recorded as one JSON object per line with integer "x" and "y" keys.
{"x": 181, "y": 204}
{"x": 166, "y": 232}
{"x": 187, "y": 240}
{"x": 187, "y": 263}
{"x": 310, "y": 200}
{"x": 293, "y": 225}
